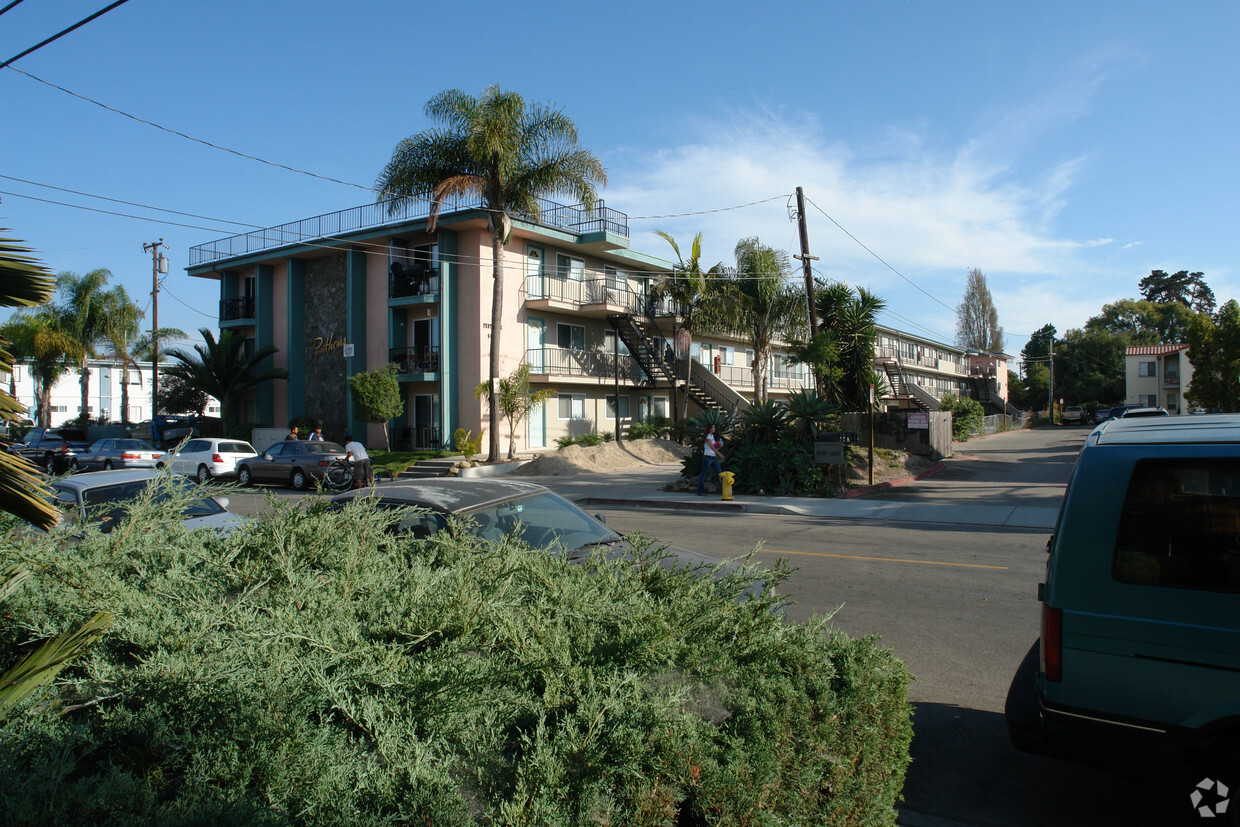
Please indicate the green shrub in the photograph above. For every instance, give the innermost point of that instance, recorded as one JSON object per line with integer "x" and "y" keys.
{"x": 305, "y": 425}
{"x": 654, "y": 427}
{"x": 245, "y": 431}
{"x": 589, "y": 440}
{"x": 968, "y": 416}
{"x": 313, "y": 669}
{"x": 466, "y": 446}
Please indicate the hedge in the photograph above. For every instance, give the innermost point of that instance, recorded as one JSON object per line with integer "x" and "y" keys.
{"x": 312, "y": 669}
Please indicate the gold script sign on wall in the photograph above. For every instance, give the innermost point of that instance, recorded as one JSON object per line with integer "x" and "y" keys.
{"x": 321, "y": 347}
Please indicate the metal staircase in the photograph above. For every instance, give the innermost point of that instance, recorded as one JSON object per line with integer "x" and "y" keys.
{"x": 905, "y": 393}
{"x": 707, "y": 391}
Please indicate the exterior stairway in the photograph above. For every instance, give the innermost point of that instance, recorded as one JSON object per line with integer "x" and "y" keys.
{"x": 903, "y": 392}
{"x": 707, "y": 391}
{"x": 429, "y": 468}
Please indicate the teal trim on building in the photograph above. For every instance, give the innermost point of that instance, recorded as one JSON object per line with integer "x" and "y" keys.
{"x": 355, "y": 328}
{"x": 264, "y": 305}
{"x": 295, "y": 347}
{"x": 449, "y": 353}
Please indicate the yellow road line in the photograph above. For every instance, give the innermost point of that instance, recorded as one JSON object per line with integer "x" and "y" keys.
{"x": 884, "y": 559}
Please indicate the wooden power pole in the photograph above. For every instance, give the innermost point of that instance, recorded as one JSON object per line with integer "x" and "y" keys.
{"x": 159, "y": 264}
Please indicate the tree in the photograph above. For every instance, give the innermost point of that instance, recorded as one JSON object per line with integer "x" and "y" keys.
{"x": 509, "y": 156}
{"x": 180, "y": 398}
{"x": 689, "y": 289}
{"x": 376, "y": 396}
{"x": 222, "y": 369}
{"x": 176, "y": 396}
{"x": 1089, "y": 366}
{"x": 516, "y": 401}
{"x": 1180, "y": 287}
{"x": 757, "y": 303}
{"x": 85, "y": 313}
{"x": 1145, "y": 322}
{"x": 1214, "y": 350}
{"x": 35, "y": 338}
{"x": 847, "y": 325}
{"x": 23, "y": 283}
{"x": 977, "y": 320}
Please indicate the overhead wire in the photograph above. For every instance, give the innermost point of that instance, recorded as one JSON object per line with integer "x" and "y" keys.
{"x": 58, "y": 35}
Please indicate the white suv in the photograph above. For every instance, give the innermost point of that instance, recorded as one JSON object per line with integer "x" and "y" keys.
{"x": 204, "y": 458}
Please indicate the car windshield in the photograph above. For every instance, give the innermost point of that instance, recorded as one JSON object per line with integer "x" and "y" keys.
{"x": 542, "y": 519}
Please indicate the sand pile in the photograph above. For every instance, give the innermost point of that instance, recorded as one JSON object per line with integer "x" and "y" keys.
{"x": 578, "y": 459}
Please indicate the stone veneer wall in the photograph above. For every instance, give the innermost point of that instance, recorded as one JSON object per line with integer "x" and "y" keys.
{"x": 326, "y": 283}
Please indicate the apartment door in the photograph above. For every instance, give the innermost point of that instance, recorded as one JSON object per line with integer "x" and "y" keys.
{"x": 534, "y": 288}
{"x": 425, "y": 352}
{"x": 537, "y": 426}
{"x": 535, "y": 342}
{"x": 426, "y": 421}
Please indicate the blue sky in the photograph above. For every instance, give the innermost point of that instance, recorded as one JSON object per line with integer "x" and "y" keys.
{"x": 1065, "y": 149}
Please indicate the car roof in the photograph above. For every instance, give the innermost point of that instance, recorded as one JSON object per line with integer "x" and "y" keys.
{"x": 97, "y": 479}
{"x": 1184, "y": 430}
{"x": 449, "y": 494}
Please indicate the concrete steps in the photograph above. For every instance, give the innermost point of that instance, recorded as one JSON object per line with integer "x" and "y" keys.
{"x": 430, "y": 468}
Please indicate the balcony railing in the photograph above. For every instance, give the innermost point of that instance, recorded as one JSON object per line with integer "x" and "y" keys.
{"x": 372, "y": 216}
{"x": 559, "y": 361}
{"x": 424, "y": 359}
{"x": 1171, "y": 379}
{"x": 234, "y": 309}
{"x": 415, "y": 281}
{"x": 741, "y": 378}
{"x": 598, "y": 290}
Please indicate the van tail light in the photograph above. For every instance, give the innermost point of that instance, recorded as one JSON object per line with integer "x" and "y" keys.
{"x": 1052, "y": 643}
{"x": 216, "y": 458}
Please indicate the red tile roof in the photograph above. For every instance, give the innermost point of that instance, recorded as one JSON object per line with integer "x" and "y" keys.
{"x": 1153, "y": 350}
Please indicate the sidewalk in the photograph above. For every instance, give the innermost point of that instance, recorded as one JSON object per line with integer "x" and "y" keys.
{"x": 644, "y": 489}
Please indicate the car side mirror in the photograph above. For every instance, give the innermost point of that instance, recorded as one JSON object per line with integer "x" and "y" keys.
{"x": 269, "y": 457}
{"x": 223, "y": 501}
{"x": 601, "y": 517}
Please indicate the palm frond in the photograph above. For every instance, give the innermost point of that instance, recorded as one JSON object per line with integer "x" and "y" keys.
{"x": 41, "y": 666}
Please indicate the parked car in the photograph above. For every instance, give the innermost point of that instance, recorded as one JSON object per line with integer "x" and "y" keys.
{"x": 1073, "y": 415}
{"x": 106, "y": 454}
{"x": 52, "y": 449}
{"x": 1102, "y": 415}
{"x": 210, "y": 457}
{"x": 291, "y": 462}
{"x": 494, "y": 509}
{"x": 1137, "y": 667}
{"x": 1130, "y": 413}
{"x": 101, "y": 497}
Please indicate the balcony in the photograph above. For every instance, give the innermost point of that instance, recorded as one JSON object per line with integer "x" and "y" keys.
{"x": 596, "y": 364}
{"x": 777, "y": 379}
{"x": 233, "y": 310}
{"x": 1171, "y": 379}
{"x": 584, "y": 223}
{"x": 413, "y": 282}
{"x": 412, "y": 361}
{"x": 596, "y": 296}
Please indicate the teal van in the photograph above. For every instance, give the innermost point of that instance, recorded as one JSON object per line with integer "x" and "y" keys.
{"x": 1137, "y": 667}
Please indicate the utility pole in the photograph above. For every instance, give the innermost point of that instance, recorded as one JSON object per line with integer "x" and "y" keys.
{"x": 159, "y": 264}
{"x": 805, "y": 258}
{"x": 1050, "y": 385}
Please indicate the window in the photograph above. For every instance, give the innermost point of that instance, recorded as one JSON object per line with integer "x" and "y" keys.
{"x": 135, "y": 377}
{"x": 610, "y": 343}
{"x": 659, "y": 406}
{"x": 611, "y": 407}
{"x": 570, "y": 267}
{"x": 615, "y": 278}
{"x": 1148, "y": 400}
{"x": 570, "y": 336}
{"x": 1180, "y": 527}
{"x": 1147, "y": 368}
{"x": 572, "y": 406}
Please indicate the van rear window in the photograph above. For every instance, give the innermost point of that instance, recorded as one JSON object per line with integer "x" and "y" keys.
{"x": 1180, "y": 526}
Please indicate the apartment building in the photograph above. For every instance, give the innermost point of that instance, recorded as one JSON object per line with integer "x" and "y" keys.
{"x": 112, "y": 386}
{"x": 1157, "y": 376}
{"x": 919, "y": 372}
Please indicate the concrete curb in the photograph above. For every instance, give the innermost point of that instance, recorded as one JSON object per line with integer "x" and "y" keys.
{"x": 882, "y": 486}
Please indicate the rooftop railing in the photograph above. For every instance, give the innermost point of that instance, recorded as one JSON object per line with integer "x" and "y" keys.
{"x": 574, "y": 219}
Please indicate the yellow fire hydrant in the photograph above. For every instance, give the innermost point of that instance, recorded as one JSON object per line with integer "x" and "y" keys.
{"x": 726, "y": 478}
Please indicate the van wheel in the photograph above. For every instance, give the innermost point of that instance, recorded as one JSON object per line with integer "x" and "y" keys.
{"x": 299, "y": 480}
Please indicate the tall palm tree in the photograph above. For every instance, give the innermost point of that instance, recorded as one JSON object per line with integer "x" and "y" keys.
{"x": 761, "y": 305}
{"x": 689, "y": 289}
{"x": 222, "y": 369}
{"x": 23, "y": 283}
{"x": 85, "y": 314}
{"x": 122, "y": 317}
{"x": 36, "y": 338}
{"x": 509, "y": 156}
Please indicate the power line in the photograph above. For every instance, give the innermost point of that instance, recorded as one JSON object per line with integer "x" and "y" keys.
{"x": 9, "y": 6}
{"x": 58, "y": 35}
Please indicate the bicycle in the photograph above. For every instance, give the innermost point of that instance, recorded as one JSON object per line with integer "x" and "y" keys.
{"x": 339, "y": 475}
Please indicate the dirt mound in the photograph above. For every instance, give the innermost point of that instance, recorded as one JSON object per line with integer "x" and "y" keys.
{"x": 578, "y": 459}
{"x": 888, "y": 465}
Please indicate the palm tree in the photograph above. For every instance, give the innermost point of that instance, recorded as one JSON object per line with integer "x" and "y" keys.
{"x": 36, "y": 338}
{"x": 516, "y": 401}
{"x": 130, "y": 350}
{"x": 851, "y": 319}
{"x": 84, "y": 314}
{"x": 760, "y": 305}
{"x": 506, "y": 154}
{"x": 222, "y": 369}
{"x": 689, "y": 289}
{"x": 23, "y": 283}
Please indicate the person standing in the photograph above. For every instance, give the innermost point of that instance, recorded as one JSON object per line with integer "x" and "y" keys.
{"x": 712, "y": 456}
{"x": 292, "y": 434}
{"x": 355, "y": 453}
{"x": 316, "y": 435}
